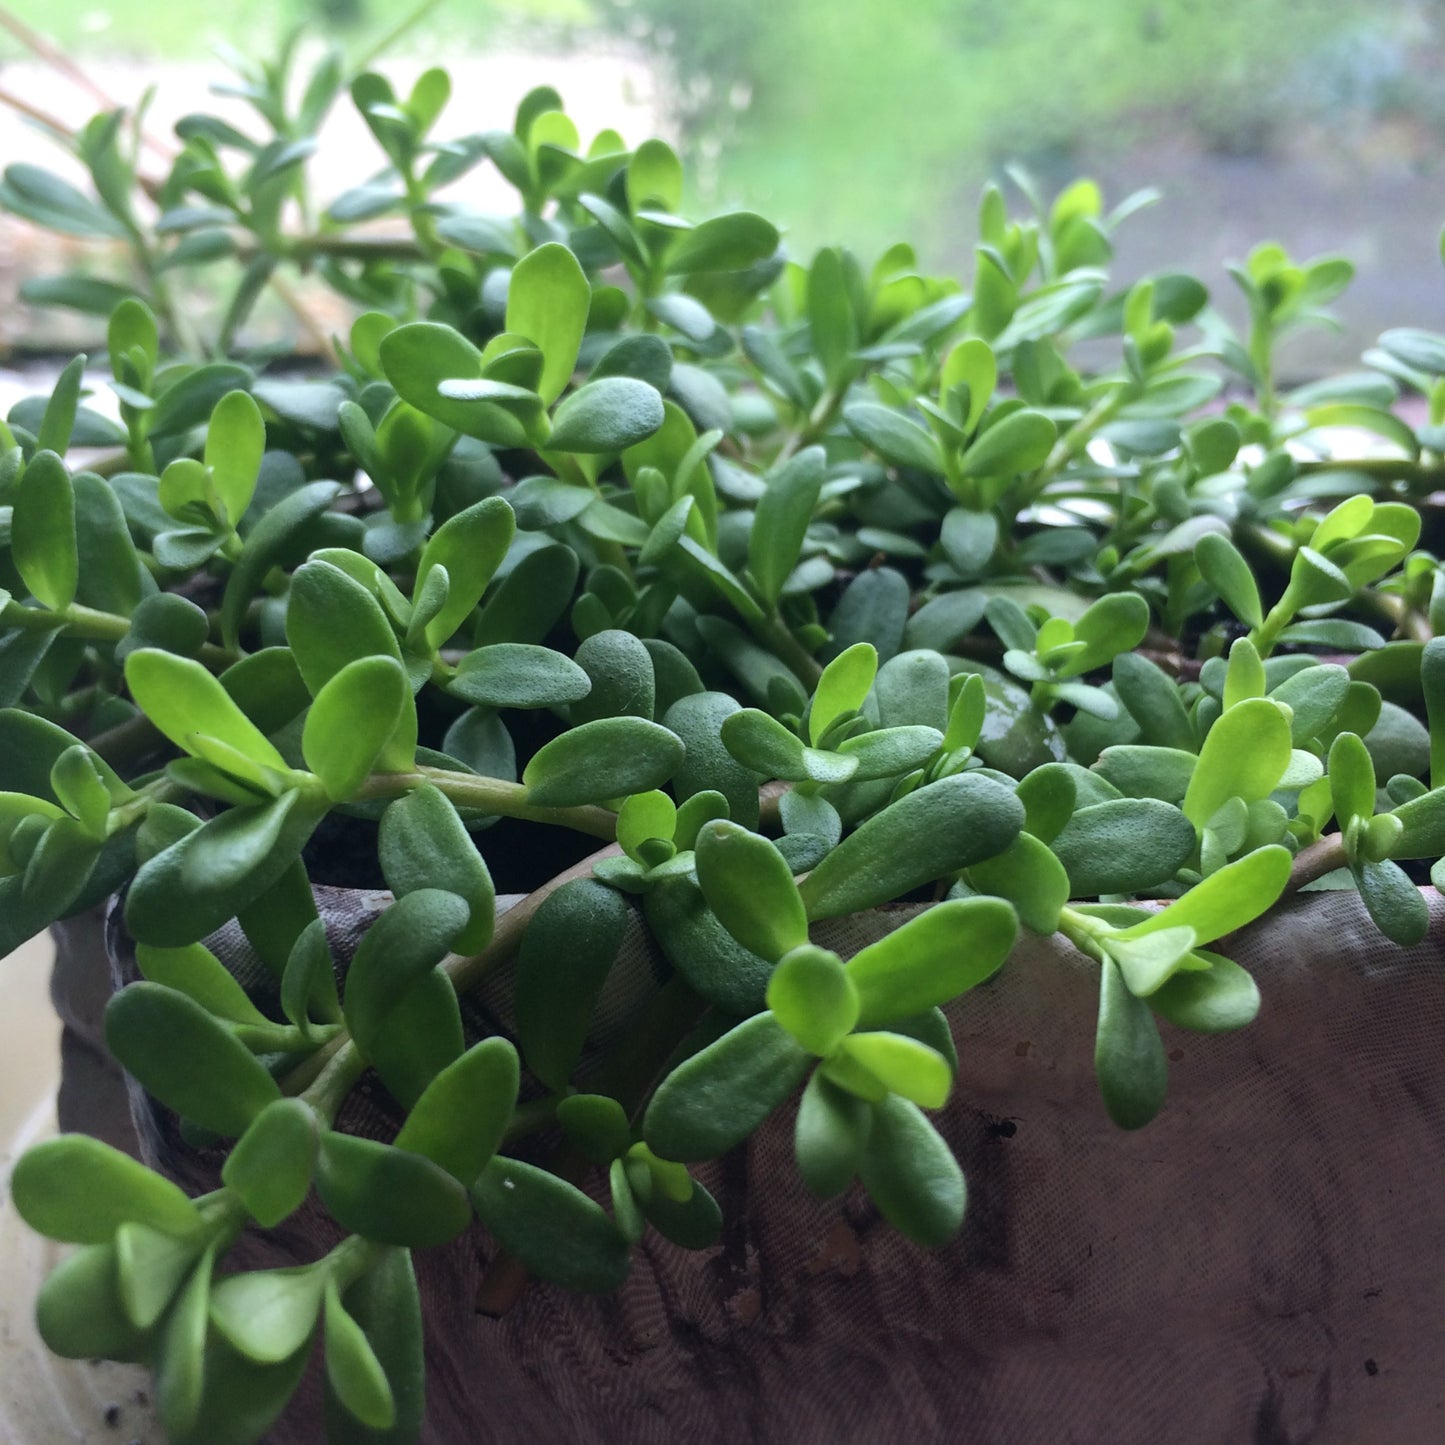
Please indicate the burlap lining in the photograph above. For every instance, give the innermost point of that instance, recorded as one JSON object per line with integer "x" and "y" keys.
{"x": 1262, "y": 1264}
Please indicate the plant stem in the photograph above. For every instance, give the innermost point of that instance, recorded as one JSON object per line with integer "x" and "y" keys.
{"x": 1313, "y": 862}
{"x": 491, "y": 795}
{"x": 342, "y": 1072}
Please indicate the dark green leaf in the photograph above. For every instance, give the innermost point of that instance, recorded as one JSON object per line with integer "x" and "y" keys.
{"x": 389, "y": 1195}
{"x": 189, "y": 1061}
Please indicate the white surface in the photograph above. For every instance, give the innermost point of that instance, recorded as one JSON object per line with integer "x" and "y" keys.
{"x": 45, "y": 1400}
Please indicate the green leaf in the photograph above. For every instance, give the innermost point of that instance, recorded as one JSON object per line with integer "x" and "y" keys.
{"x": 1352, "y": 779}
{"x": 1244, "y": 756}
{"x": 1149, "y": 962}
{"x": 78, "y": 1190}
{"x": 1123, "y": 845}
{"x": 893, "y": 436}
{"x": 1214, "y": 1000}
{"x": 714, "y": 1100}
{"x": 423, "y": 844}
{"x": 270, "y": 1168}
{"x": 693, "y": 1223}
{"x": 749, "y": 886}
{"x": 42, "y": 537}
{"x": 385, "y": 1303}
{"x": 235, "y": 444}
{"x": 1227, "y": 899}
{"x": 1129, "y": 1057}
{"x": 911, "y": 1175}
{"x": 933, "y": 831}
{"x": 353, "y": 1372}
{"x": 110, "y": 575}
{"x": 932, "y": 958}
{"x": 349, "y": 724}
{"x": 733, "y": 242}
{"x": 187, "y": 1059}
{"x": 832, "y": 324}
{"x": 812, "y": 996}
{"x": 1395, "y": 904}
{"x": 182, "y": 699}
{"x": 606, "y": 416}
{"x": 596, "y": 1125}
{"x": 764, "y": 745}
{"x": 1224, "y": 568}
{"x": 470, "y": 545}
{"x": 1153, "y": 701}
{"x": 707, "y": 956}
{"x": 43, "y": 197}
{"x": 547, "y": 301}
{"x": 79, "y": 1312}
{"x": 268, "y": 1315}
{"x": 550, "y": 1227}
{"x": 900, "y": 1064}
{"x": 830, "y": 1136}
{"x": 1018, "y": 442}
{"x": 400, "y": 949}
{"x": 461, "y": 1117}
{"x": 180, "y": 1364}
{"x": 518, "y": 674}
{"x": 196, "y": 971}
{"x": 607, "y": 758}
{"x": 845, "y": 683}
{"x": 1030, "y": 877}
{"x": 775, "y": 541}
{"x": 420, "y": 357}
{"x": 566, "y": 954}
{"x": 389, "y": 1195}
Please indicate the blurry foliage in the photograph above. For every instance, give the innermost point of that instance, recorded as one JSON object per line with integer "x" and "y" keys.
{"x": 896, "y": 102}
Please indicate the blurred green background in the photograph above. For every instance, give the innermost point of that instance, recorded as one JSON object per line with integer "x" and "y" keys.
{"x": 1314, "y": 122}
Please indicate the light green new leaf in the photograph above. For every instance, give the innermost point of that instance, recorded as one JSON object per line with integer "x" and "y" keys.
{"x": 1222, "y": 566}
{"x": 268, "y": 1315}
{"x": 470, "y": 545}
{"x": 1229, "y": 898}
{"x": 812, "y": 996}
{"x": 270, "y": 1168}
{"x": 749, "y": 886}
{"x": 1244, "y": 755}
{"x": 902, "y": 1065}
{"x": 547, "y": 302}
{"x": 1150, "y": 961}
{"x": 348, "y": 726}
{"x": 42, "y": 532}
{"x": 1352, "y": 779}
{"x": 1018, "y": 443}
{"x": 844, "y": 685}
{"x": 182, "y": 699}
{"x": 932, "y": 958}
{"x": 235, "y": 444}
